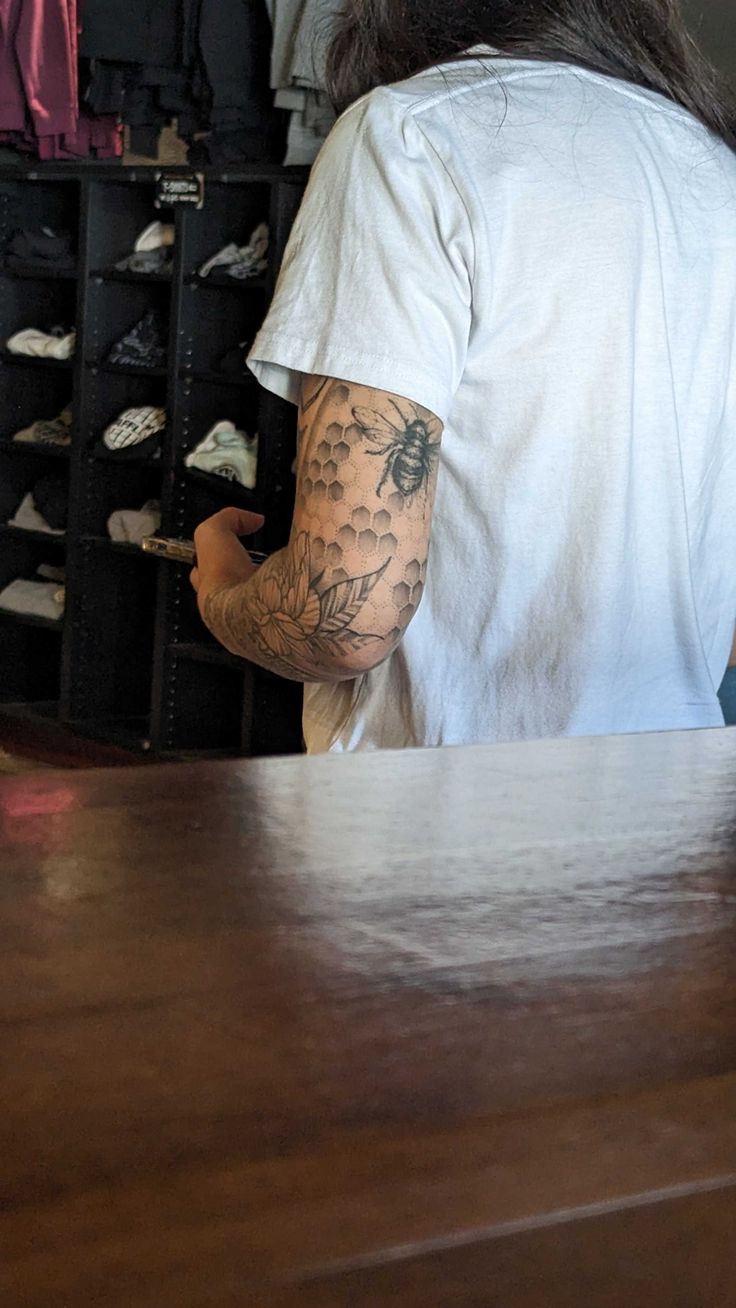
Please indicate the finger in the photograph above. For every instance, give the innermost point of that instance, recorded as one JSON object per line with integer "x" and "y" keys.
{"x": 240, "y": 521}
{"x": 194, "y": 578}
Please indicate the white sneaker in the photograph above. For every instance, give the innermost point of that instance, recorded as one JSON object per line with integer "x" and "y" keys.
{"x": 241, "y": 261}
{"x": 133, "y": 426}
{"x": 227, "y": 452}
{"x": 42, "y": 345}
{"x": 227, "y": 255}
{"x": 154, "y": 236}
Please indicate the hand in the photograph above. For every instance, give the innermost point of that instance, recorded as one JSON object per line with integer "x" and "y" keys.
{"x": 221, "y": 559}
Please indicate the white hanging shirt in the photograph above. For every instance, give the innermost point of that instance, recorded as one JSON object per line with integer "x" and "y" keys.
{"x": 546, "y": 259}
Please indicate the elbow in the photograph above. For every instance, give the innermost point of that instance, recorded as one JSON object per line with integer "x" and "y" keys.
{"x": 365, "y": 654}
{"x": 356, "y": 659}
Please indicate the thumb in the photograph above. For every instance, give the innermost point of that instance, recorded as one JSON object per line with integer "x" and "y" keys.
{"x": 241, "y": 521}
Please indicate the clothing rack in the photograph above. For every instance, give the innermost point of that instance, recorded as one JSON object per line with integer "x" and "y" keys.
{"x": 240, "y": 84}
{"x": 131, "y": 662}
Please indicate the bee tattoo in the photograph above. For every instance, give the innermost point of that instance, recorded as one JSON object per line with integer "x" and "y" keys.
{"x": 411, "y": 444}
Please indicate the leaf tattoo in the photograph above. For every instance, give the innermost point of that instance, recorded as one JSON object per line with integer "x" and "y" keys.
{"x": 341, "y": 604}
{"x": 308, "y": 401}
{"x": 291, "y": 620}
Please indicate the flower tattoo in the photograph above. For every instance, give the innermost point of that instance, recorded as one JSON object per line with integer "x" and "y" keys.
{"x": 292, "y": 621}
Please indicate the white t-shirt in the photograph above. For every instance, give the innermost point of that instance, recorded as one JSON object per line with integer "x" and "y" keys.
{"x": 546, "y": 259}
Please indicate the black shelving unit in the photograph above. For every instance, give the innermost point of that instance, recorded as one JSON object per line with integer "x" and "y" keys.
{"x": 131, "y": 661}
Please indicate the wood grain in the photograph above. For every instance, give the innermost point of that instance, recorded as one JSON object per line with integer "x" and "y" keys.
{"x": 433, "y": 1028}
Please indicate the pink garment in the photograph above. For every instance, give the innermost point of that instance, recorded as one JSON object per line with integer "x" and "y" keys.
{"x": 38, "y": 66}
{"x": 100, "y": 137}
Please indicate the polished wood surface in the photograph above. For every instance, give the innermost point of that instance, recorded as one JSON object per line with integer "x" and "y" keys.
{"x": 440, "y": 1028}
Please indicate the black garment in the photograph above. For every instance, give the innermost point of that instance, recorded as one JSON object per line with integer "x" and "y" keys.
{"x": 233, "y": 362}
{"x": 132, "y": 32}
{"x": 15, "y": 480}
{"x": 211, "y": 74}
{"x": 222, "y": 148}
{"x": 40, "y": 245}
{"x": 16, "y": 563}
{"x": 51, "y": 498}
{"x": 235, "y": 41}
{"x": 159, "y": 262}
{"x": 106, "y": 89}
{"x": 143, "y": 345}
{"x": 142, "y": 452}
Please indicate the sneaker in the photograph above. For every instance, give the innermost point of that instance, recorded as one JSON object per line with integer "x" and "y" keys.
{"x": 43, "y": 246}
{"x": 131, "y": 526}
{"x": 52, "y": 431}
{"x": 224, "y": 257}
{"x": 142, "y": 346}
{"x": 155, "y": 236}
{"x": 135, "y": 433}
{"x": 41, "y": 599}
{"x": 56, "y": 344}
{"x": 241, "y": 261}
{"x": 147, "y": 261}
{"x": 227, "y": 452}
{"x": 28, "y": 517}
{"x": 233, "y": 362}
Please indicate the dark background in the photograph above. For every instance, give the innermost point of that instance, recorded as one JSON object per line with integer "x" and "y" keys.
{"x": 713, "y": 23}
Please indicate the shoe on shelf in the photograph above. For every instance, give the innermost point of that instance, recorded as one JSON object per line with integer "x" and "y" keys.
{"x": 51, "y": 431}
{"x": 28, "y": 518}
{"x": 152, "y": 251}
{"x": 58, "y": 343}
{"x": 227, "y": 452}
{"x": 135, "y": 433}
{"x": 41, "y": 599}
{"x": 147, "y": 261}
{"x": 241, "y": 261}
{"x": 40, "y": 245}
{"x": 155, "y": 236}
{"x": 142, "y": 346}
{"x": 131, "y": 526}
{"x": 233, "y": 362}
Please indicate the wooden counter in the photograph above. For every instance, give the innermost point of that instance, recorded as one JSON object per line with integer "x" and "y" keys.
{"x": 420, "y": 1030}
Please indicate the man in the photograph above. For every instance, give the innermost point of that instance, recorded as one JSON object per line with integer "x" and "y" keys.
{"x": 506, "y": 315}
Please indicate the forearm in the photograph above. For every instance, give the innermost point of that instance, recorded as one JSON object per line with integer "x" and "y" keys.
{"x": 283, "y": 620}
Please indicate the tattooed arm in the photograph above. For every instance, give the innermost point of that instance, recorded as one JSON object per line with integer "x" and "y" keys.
{"x": 336, "y": 601}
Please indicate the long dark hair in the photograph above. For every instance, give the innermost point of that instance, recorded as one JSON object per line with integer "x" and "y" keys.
{"x": 640, "y": 41}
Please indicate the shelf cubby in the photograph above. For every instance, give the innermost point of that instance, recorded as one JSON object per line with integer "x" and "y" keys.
{"x": 131, "y": 661}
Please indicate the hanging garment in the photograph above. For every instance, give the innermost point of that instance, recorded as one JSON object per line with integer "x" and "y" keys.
{"x": 302, "y": 30}
{"x": 235, "y": 40}
{"x": 39, "y": 89}
{"x": 285, "y": 18}
{"x": 147, "y": 28}
{"x": 311, "y": 42}
{"x": 38, "y": 66}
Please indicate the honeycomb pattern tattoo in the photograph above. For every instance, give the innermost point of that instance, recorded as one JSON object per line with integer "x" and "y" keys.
{"x": 329, "y": 473}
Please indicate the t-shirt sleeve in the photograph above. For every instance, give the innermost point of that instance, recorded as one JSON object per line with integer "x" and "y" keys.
{"x": 376, "y": 284}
